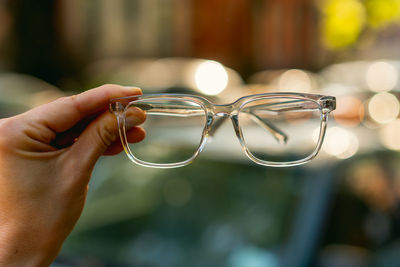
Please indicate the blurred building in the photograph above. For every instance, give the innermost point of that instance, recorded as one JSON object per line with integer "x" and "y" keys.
{"x": 56, "y": 37}
{"x": 246, "y": 35}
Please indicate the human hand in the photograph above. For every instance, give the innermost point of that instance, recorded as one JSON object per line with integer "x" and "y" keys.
{"x": 46, "y": 158}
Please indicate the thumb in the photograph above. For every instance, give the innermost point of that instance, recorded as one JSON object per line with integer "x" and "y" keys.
{"x": 99, "y": 135}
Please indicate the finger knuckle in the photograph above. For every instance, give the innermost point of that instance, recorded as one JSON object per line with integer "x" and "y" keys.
{"x": 72, "y": 100}
{"x": 107, "y": 134}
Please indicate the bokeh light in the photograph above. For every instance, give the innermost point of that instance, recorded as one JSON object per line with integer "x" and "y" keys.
{"x": 352, "y": 148}
{"x": 370, "y": 179}
{"x": 381, "y": 76}
{"x": 211, "y": 77}
{"x": 295, "y": 80}
{"x": 383, "y": 107}
{"x": 340, "y": 143}
{"x": 390, "y": 135}
{"x": 349, "y": 111}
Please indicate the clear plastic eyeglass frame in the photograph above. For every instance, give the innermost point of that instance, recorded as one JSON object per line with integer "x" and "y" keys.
{"x": 214, "y": 113}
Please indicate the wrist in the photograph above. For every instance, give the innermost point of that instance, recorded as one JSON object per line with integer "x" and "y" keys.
{"x": 25, "y": 246}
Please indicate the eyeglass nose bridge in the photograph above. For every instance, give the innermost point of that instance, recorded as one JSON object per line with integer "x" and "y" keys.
{"x": 220, "y": 114}
{"x": 226, "y": 110}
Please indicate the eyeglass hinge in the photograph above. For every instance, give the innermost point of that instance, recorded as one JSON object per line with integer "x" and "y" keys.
{"x": 328, "y": 104}
{"x": 116, "y": 107}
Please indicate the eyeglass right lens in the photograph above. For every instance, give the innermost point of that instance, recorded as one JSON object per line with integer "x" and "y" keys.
{"x": 174, "y": 129}
{"x": 280, "y": 129}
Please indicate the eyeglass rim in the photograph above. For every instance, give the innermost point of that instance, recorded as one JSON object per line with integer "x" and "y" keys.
{"x": 320, "y": 99}
{"x": 311, "y": 156}
{"x": 326, "y": 105}
{"x": 132, "y": 157}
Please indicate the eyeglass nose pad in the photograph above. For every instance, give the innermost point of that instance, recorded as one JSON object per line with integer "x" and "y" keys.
{"x": 218, "y": 121}
{"x": 235, "y": 122}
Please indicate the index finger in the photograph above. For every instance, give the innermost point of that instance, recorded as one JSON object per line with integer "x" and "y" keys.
{"x": 63, "y": 113}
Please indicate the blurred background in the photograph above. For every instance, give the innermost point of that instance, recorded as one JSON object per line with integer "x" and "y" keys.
{"x": 342, "y": 209}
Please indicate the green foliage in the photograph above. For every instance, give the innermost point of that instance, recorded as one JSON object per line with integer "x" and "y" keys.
{"x": 344, "y": 21}
{"x": 382, "y": 13}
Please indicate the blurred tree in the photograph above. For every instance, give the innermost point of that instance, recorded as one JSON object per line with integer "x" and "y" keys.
{"x": 382, "y": 13}
{"x": 345, "y": 21}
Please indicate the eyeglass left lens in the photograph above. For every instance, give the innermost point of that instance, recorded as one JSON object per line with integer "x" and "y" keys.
{"x": 280, "y": 129}
{"x": 174, "y": 129}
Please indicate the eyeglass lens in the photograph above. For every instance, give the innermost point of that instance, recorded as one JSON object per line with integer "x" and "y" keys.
{"x": 174, "y": 129}
{"x": 280, "y": 129}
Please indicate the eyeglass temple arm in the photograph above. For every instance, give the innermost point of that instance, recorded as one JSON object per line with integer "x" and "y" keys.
{"x": 292, "y": 105}
{"x": 278, "y": 134}
{"x": 327, "y": 104}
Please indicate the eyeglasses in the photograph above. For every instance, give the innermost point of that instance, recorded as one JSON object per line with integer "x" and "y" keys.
{"x": 274, "y": 129}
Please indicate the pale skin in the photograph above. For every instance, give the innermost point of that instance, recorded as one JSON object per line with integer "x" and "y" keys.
{"x": 47, "y": 156}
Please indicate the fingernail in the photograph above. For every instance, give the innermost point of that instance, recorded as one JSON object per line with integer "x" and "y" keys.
{"x": 132, "y": 88}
